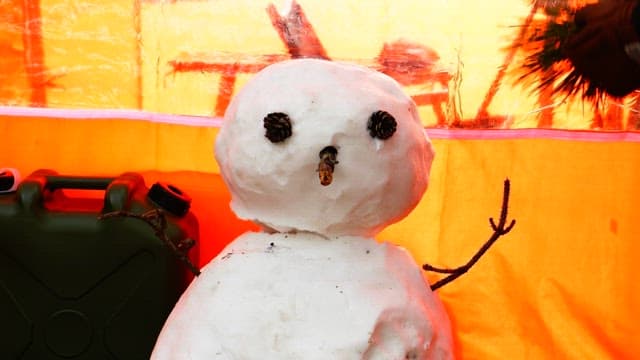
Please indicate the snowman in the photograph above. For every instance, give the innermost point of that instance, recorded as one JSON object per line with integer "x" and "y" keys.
{"x": 323, "y": 155}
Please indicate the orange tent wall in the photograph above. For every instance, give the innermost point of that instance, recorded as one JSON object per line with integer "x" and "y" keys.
{"x": 560, "y": 285}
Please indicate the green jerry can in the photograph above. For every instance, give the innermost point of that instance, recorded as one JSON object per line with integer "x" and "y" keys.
{"x": 84, "y": 282}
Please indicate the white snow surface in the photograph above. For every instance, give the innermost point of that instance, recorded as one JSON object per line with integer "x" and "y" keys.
{"x": 315, "y": 285}
{"x": 376, "y": 182}
{"x": 305, "y": 296}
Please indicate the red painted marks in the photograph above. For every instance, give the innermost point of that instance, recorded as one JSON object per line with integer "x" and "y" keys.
{"x": 408, "y": 62}
{"x": 228, "y": 68}
{"x": 297, "y": 33}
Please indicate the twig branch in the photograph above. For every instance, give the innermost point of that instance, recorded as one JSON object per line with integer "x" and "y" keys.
{"x": 158, "y": 222}
{"x": 499, "y": 230}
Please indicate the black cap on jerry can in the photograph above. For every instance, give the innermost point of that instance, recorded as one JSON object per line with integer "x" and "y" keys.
{"x": 170, "y": 198}
{"x": 9, "y": 180}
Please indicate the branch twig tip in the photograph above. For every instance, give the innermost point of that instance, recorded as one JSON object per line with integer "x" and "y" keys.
{"x": 499, "y": 230}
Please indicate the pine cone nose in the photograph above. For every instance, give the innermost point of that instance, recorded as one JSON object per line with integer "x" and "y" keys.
{"x": 328, "y": 160}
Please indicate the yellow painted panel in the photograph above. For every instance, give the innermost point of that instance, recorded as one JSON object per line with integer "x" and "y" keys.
{"x": 90, "y": 53}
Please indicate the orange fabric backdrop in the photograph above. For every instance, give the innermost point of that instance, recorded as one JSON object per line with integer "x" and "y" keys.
{"x": 560, "y": 285}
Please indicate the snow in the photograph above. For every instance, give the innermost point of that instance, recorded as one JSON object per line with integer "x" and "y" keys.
{"x": 315, "y": 284}
{"x": 376, "y": 182}
{"x": 303, "y": 296}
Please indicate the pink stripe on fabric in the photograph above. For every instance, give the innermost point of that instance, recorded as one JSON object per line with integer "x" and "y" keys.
{"x": 555, "y": 134}
{"x": 434, "y": 133}
{"x": 98, "y": 114}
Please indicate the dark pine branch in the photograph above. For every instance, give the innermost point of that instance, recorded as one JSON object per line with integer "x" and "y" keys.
{"x": 158, "y": 222}
{"x": 499, "y": 230}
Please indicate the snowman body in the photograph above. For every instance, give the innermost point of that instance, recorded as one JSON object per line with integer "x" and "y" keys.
{"x": 323, "y": 155}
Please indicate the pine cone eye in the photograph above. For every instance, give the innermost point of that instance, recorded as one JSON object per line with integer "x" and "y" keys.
{"x": 278, "y": 127}
{"x": 381, "y": 125}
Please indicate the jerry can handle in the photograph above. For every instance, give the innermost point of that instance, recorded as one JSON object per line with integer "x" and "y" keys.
{"x": 119, "y": 190}
{"x": 55, "y": 182}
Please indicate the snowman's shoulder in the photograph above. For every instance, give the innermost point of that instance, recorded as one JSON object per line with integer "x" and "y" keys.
{"x": 399, "y": 257}
{"x": 239, "y": 252}
{"x": 248, "y": 241}
{"x": 401, "y": 266}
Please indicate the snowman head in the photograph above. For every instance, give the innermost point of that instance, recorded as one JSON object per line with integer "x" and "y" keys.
{"x": 325, "y": 147}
